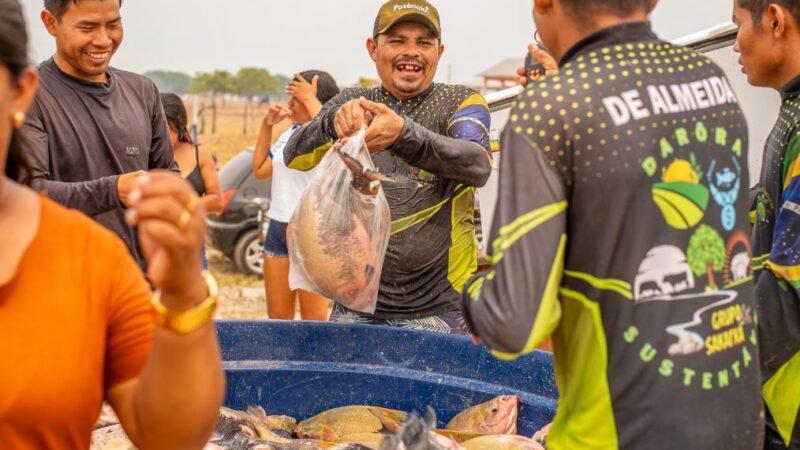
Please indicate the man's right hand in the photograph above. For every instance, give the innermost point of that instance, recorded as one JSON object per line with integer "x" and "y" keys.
{"x": 125, "y": 184}
{"x": 542, "y": 57}
{"x": 350, "y": 118}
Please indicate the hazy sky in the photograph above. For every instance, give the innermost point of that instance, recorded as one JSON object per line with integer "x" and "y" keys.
{"x": 289, "y": 36}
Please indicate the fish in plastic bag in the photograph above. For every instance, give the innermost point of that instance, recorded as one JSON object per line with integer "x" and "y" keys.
{"x": 338, "y": 235}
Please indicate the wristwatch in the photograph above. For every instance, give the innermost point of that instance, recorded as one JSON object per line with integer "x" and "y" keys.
{"x": 184, "y": 322}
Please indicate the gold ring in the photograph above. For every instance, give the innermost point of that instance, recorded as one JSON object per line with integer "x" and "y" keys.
{"x": 191, "y": 205}
{"x": 183, "y": 219}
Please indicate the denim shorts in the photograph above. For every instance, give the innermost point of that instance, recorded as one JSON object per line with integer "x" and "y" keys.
{"x": 275, "y": 242}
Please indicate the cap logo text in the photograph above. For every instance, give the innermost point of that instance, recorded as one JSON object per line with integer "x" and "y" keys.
{"x": 422, "y": 9}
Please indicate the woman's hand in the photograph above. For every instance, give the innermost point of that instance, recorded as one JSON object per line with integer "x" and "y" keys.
{"x": 302, "y": 90}
{"x": 171, "y": 223}
{"x": 276, "y": 114}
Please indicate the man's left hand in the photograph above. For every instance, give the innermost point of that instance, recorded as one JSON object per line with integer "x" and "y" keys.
{"x": 171, "y": 223}
{"x": 384, "y": 128}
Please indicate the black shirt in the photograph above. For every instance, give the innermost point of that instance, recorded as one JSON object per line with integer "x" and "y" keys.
{"x": 442, "y": 154}
{"x": 81, "y": 136}
{"x": 776, "y": 246}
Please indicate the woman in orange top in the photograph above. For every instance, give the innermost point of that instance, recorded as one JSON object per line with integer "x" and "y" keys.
{"x": 76, "y": 322}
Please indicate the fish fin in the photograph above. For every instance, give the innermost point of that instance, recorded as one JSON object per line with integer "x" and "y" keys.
{"x": 390, "y": 419}
{"x": 460, "y": 436}
{"x": 257, "y": 411}
{"x": 373, "y": 175}
{"x": 353, "y": 164}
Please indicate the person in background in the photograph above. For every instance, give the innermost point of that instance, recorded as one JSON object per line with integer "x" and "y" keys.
{"x": 77, "y": 325}
{"x": 768, "y": 43}
{"x": 308, "y": 92}
{"x": 93, "y": 129}
{"x": 433, "y": 139}
{"x": 196, "y": 164}
{"x": 621, "y": 231}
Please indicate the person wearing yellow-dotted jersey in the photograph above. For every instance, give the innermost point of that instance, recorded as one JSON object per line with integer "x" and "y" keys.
{"x": 775, "y": 26}
{"x": 621, "y": 230}
{"x": 433, "y": 140}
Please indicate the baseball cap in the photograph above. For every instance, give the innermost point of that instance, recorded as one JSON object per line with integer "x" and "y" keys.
{"x": 397, "y": 11}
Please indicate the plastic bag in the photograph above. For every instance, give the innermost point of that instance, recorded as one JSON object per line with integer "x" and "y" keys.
{"x": 338, "y": 235}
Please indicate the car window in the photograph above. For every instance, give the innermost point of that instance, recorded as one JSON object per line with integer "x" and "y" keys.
{"x": 232, "y": 173}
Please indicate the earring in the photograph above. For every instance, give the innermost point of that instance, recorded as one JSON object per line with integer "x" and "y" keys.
{"x": 19, "y": 119}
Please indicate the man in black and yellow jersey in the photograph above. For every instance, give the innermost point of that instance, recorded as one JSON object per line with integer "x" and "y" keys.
{"x": 768, "y": 43}
{"x": 621, "y": 230}
{"x": 433, "y": 140}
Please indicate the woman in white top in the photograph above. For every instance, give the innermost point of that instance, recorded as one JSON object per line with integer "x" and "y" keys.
{"x": 309, "y": 91}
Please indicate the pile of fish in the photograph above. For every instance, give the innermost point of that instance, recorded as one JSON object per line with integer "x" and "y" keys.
{"x": 488, "y": 426}
{"x": 338, "y": 235}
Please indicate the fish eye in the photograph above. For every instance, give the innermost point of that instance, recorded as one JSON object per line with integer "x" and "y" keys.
{"x": 494, "y": 410}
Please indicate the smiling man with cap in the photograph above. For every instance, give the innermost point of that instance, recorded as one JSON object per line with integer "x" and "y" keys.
{"x": 433, "y": 138}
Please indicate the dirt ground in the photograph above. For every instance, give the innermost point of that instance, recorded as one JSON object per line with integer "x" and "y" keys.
{"x": 240, "y": 296}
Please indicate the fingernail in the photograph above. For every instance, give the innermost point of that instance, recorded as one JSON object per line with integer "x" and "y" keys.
{"x": 135, "y": 196}
{"x": 142, "y": 180}
{"x": 130, "y": 216}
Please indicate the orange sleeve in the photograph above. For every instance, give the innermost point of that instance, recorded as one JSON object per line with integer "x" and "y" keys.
{"x": 131, "y": 322}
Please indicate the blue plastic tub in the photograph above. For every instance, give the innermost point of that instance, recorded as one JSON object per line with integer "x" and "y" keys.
{"x": 301, "y": 369}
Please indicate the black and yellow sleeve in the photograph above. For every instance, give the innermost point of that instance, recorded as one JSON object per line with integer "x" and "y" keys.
{"x": 515, "y": 306}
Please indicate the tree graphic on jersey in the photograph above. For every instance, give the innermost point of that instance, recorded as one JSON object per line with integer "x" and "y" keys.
{"x": 706, "y": 253}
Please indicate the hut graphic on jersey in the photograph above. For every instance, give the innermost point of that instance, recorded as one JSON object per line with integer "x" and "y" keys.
{"x": 664, "y": 272}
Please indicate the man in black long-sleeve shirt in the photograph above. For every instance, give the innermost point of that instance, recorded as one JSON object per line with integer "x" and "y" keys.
{"x": 93, "y": 129}
{"x": 433, "y": 139}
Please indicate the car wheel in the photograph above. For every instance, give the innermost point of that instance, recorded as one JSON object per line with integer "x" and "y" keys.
{"x": 247, "y": 254}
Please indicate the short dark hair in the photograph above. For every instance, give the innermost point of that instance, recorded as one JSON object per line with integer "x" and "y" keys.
{"x": 14, "y": 56}
{"x": 175, "y": 111}
{"x": 586, "y": 10}
{"x": 326, "y": 85}
{"x": 58, "y": 7}
{"x": 757, "y": 8}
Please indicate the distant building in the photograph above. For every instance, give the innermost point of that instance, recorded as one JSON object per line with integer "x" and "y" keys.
{"x": 502, "y": 75}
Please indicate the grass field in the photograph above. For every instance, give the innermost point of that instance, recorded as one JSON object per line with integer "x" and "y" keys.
{"x": 230, "y": 138}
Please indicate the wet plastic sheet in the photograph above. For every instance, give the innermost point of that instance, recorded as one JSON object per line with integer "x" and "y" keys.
{"x": 338, "y": 235}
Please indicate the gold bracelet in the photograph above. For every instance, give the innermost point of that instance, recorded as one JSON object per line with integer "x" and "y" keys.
{"x": 184, "y": 322}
